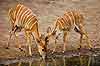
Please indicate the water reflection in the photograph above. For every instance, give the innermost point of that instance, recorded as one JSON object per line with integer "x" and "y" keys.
{"x": 59, "y": 61}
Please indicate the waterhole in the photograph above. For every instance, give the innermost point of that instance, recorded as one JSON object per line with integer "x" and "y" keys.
{"x": 58, "y": 61}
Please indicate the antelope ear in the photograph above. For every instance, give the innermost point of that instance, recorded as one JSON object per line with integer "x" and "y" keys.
{"x": 54, "y": 32}
{"x": 49, "y": 29}
{"x": 42, "y": 36}
{"x": 57, "y": 37}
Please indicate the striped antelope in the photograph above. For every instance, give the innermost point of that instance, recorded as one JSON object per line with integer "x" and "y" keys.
{"x": 21, "y": 17}
{"x": 70, "y": 20}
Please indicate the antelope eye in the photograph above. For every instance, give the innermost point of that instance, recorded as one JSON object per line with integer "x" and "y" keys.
{"x": 38, "y": 40}
{"x": 42, "y": 49}
{"x": 48, "y": 40}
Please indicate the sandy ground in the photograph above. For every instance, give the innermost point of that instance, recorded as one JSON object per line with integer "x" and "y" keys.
{"x": 47, "y": 11}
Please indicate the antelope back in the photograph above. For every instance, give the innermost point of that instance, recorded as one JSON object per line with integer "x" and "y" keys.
{"x": 69, "y": 20}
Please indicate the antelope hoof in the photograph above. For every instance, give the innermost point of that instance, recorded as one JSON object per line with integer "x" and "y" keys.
{"x": 52, "y": 52}
{"x": 7, "y": 47}
{"x": 90, "y": 48}
{"x": 80, "y": 47}
{"x": 21, "y": 49}
{"x": 63, "y": 51}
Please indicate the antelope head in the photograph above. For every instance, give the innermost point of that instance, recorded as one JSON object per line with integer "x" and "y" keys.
{"x": 42, "y": 48}
{"x": 52, "y": 33}
{"x": 51, "y": 36}
{"x": 43, "y": 42}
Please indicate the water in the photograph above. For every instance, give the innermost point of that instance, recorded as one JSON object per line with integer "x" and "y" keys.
{"x": 58, "y": 61}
